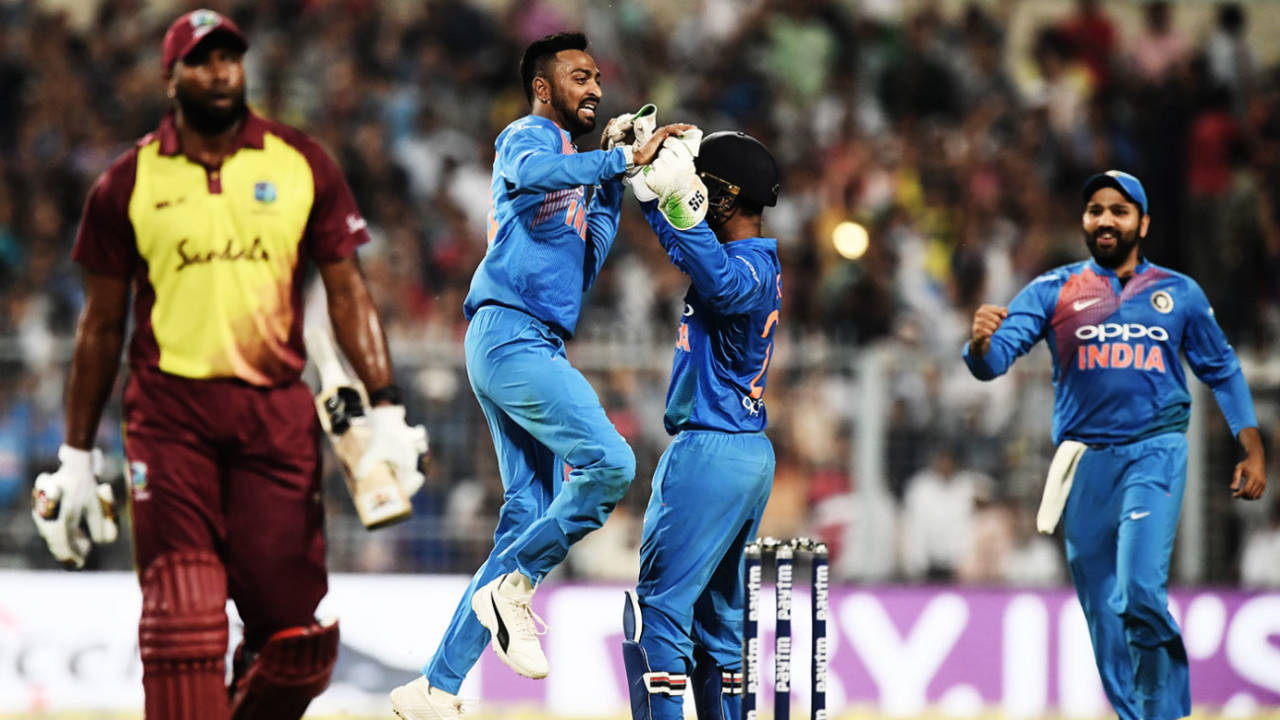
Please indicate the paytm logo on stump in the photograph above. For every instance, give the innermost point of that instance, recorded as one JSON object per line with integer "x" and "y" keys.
{"x": 1122, "y": 354}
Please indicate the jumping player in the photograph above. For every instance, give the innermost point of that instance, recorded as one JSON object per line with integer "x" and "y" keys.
{"x": 547, "y": 242}
{"x": 1117, "y": 327}
{"x": 208, "y": 223}
{"x": 712, "y": 483}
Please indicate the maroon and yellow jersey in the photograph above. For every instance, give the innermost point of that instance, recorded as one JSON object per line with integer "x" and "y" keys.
{"x": 216, "y": 254}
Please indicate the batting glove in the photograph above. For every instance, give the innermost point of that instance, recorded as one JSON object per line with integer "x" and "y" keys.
{"x": 66, "y": 501}
{"x": 396, "y": 443}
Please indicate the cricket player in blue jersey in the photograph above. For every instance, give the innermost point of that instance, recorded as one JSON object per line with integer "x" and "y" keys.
{"x": 683, "y": 624}
{"x": 1117, "y": 327}
{"x": 553, "y": 219}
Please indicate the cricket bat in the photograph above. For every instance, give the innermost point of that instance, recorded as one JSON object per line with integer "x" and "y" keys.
{"x": 378, "y": 497}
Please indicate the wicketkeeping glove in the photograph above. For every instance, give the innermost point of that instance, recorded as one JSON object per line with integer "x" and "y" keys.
{"x": 394, "y": 442}
{"x": 61, "y": 500}
{"x": 618, "y": 132}
{"x": 643, "y": 123}
{"x": 673, "y": 180}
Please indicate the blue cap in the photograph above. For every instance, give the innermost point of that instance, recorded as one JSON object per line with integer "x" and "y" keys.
{"x": 1128, "y": 185}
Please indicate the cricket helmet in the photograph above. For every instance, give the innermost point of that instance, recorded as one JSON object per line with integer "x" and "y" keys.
{"x": 734, "y": 163}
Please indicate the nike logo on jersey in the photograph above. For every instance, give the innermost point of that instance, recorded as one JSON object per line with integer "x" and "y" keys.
{"x": 1082, "y": 304}
{"x": 504, "y": 638}
{"x": 1138, "y": 515}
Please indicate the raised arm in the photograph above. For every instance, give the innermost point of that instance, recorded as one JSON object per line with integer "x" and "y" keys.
{"x": 1001, "y": 335}
{"x": 533, "y": 162}
{"x": 729, "y": 282}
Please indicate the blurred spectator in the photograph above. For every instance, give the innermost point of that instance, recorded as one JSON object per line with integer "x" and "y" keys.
{"x": 1091, "y": 36}
{"x": 1159, "y": 50}
{"x": 1260, "y": 560}
{"x": 1231, "y": 60}
{"x": 14, "y": 443}
{"x": 610, "y": 553}
{"x": 938, "y": 516}
{"x": 991, "y": 541}
{"x": 918, "y": 85}
{"x": 1034, "y": 560}
{"x": 859, "y": 527}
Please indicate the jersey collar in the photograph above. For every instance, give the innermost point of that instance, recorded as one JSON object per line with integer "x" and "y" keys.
{"x": 252, "y": 134}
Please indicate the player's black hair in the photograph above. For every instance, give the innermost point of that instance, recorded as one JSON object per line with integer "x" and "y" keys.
{"x": 541, "y": 52}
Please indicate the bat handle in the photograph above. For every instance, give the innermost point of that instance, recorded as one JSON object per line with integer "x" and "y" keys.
{"x": 324, "y": 354}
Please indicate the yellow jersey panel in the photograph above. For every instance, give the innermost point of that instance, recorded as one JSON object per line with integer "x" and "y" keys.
{"x": 222, "y": 264}
{"x": 216, "y": 254}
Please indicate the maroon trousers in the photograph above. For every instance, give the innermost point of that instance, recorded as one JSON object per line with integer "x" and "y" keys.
{"x": 231, "y": 470}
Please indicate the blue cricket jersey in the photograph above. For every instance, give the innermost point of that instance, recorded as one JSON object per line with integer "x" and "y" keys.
{"x": 726, "y": 335}
{"x": 546, "y": 245}
{"x": 1117, "y": 369}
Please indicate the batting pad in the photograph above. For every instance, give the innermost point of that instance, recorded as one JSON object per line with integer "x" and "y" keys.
{"x": 1057, "y": 486}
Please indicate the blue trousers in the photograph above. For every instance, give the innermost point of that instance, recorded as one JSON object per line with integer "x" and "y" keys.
{"x": 1119, "y": 524}
{"x": 541, "y": 412}
{"x": 709, "y": 491}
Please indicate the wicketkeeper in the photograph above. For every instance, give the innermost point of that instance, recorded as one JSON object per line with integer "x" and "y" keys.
{"x": 206, "y": 225}
{"x": 683, "y": 625}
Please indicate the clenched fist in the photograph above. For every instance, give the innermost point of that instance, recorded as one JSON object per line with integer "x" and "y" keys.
{"x": 986, "y": 321}
{"x": 1250, "y": 477}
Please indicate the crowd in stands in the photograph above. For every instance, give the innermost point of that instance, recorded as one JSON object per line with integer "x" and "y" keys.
{"x": 957, "y": 134}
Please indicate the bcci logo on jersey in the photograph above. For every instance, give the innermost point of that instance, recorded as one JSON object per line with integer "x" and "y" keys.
{"x": 1162, "y": 302}
{"x": 1115, "y": 347}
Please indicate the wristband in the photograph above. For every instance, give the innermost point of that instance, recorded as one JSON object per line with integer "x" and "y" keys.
{"x": 387, "y": 393}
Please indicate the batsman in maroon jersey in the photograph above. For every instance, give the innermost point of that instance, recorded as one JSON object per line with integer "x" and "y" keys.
{"x": 208, "y": 223}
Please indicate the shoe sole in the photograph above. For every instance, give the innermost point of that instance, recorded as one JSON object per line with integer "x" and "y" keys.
{"x": 485, "y": 614}
{"x": 401, "y": 715}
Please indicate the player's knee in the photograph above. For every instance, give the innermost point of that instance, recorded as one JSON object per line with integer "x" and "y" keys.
{"x": 184, "y": 598}
{"x": 1144, "y": 607}
{"x": 182, "y": 637}
{"x": 618, "y": 471}
{"x": 279, "y": 681}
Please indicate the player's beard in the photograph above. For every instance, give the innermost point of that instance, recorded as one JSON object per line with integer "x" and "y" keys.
{"x": 208, "y": 119}
{"x": 568, "y": 110}
{"x": 1113, "y": 257}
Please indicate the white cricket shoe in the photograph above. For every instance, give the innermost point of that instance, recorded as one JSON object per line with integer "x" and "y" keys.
{"x": 417, "y": 700}
{"x": 503, "y": 607}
